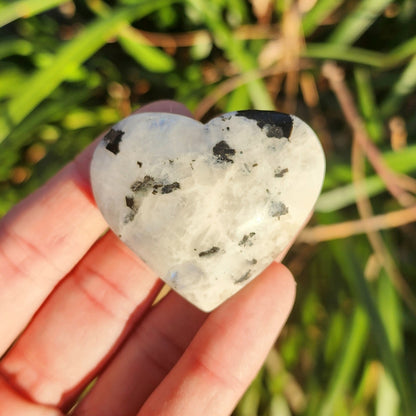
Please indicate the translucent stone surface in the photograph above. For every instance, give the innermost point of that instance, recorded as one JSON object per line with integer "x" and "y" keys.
{"x": 208, "y": 207}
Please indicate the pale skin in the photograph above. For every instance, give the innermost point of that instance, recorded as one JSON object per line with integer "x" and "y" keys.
{"x": 79, "y": 304}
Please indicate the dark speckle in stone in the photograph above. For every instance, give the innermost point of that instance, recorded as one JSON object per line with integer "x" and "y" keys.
{"x": 246, "y": 240}
{"x": 244, "y": 277}
{"x": 131, "y": 203}
{"x": 112, "y": 140}
{"x": 223, "y": 152}
{"x": 253, "y": 261}
{"x": 143, "y": 185}
{"x": 209, "y": 252}
{"x": 277, "y": 209}
{"x": 167, "y": 189}
{"x": 148, "y": 184}
{"x": 274, "y": 124}
{"x": 156, "y": 188}
{"x": 140, "y": 164}
{"x": 279, "y": 173}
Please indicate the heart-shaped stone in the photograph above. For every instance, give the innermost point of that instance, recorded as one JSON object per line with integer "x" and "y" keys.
{"x": 208, "y": 206}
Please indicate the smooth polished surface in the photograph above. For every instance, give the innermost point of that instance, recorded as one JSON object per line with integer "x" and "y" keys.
{"x": 208, "y": 207}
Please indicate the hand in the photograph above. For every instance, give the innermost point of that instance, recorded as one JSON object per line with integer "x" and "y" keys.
{"x": 79, "y": 304}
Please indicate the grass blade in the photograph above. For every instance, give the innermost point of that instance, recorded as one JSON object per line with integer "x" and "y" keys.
{"x": 405, "y": 50}
{"x": 348, "y": 362}
{"x": 403, "y": 161}
{"x": 388, "y": 400}
{"x": 348, "y": 259}
{"x": 319, "y": 12}
{"x": 25, "y": 8}
{"x": 136, "y": 45}
{"x": 344, "y": 53}
{"x": 368, "y": 104}
{"x": 71, "y": 55}
{"x": 361, "y": 56}
{"x": 148, "y": 56}
{"x": 235, "y": 51}
{"x": 357, "y": 22}
{"x": 15, "y": 47}
{"x": 401, "y": 89}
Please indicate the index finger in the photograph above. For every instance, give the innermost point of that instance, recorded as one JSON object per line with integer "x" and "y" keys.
{"x": 45, "y": 235}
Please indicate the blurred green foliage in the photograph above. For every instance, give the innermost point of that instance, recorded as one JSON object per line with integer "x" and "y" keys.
{"x": 70, "y": 69}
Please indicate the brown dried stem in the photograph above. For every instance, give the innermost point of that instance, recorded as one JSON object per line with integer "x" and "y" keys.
{"x": 396, "y": 184}
{"x": 231, "y": 84}
{"x": 186, "y": 39}
{"x": 345, "y": 229}
{"x": 365, "y": 210}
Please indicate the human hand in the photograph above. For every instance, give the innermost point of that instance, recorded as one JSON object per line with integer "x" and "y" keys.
{"x": 80, "y": 305}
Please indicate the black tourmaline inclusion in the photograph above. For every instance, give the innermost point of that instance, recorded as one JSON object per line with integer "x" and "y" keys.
{"x": 112, "y": 140}
{"x": 223, "y": 152}
{"x": 275, "y": 124}
{"x": 212, "y": 250}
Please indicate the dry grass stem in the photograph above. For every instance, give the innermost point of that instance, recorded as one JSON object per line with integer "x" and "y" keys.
{"x": 362, "y": 146}
{"x": 397, "y": 185}
{"x": 231, "y": 84}
{"x": 345, "y": 229}
{"x": 196, "y": 37}
{"x": 263, "y": 10}
{"x": 398, "y": 133}
{"x": 365, "y": 210}
{"x": 294, "y": 44}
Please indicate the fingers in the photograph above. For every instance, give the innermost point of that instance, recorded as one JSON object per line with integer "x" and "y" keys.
{"x": 89, "y": 314}
{"x": 228, "y": 351}
{"x": 43, "y": 237}
{"x": 81, "y": 325}
{"x": 11, "y": 403}
{"x": 148, "y": 355}
{"x": 166, "y": 106}
{"x": 214, "y": 370}
{"x": 86, "y": 317}
{"x": 40, "y": 241}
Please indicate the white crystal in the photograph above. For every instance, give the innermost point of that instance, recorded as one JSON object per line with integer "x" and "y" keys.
{"x": 208, "y": 207}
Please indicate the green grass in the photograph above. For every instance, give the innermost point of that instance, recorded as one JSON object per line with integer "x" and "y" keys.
{"x": 68, "y": 70}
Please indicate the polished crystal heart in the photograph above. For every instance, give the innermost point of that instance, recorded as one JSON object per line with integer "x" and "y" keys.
{"x": 208, "y": 206}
